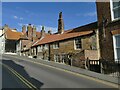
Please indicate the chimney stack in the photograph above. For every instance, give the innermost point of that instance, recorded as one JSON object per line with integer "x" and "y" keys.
{"x": 60, "y": 24}
{"x": 24, "y": 29}
{"x": 29, "y": 28}
{"x": 5, "y": 28}
{"x": 34, "y": 32}
{"x": 42, "y": 32}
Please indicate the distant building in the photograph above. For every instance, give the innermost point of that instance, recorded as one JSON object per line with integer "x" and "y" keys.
{"x": 29, "y": 36}
{"x": 9, "y": 39}
{"x": 2, "y": 41}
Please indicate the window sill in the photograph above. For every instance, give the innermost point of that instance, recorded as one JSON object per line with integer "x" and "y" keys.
{"x": 39, "y": 51}
{"x": 78, "y": 49}
{"x": 117, "y": 60}
{"x": 115, "y": 20}
{"x": 55, "y": 48}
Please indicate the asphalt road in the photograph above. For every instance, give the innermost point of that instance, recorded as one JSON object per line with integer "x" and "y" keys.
{"x": 25, "y": 74}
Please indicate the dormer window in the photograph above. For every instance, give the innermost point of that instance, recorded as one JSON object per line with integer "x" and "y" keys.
{"x": 115, "y": 9}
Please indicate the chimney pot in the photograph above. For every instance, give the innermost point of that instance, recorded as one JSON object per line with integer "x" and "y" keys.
{"x": 49, "y": 32}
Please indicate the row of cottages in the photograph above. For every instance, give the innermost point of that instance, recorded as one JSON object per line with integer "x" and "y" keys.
{"x": 15, "y": 42}
{"x": 78, "y": 45}
{"x": 28, "y": 37}
{"x": 73, "y": 47}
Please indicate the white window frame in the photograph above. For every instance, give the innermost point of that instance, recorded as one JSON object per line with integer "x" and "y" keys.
{"x": 39, "y": 48}
{"x": 115, "y": 47}
{"x": 46, "y": 46}
{"x": 56, "y": 58}
{"x": 63, "y": 58}
{"x": 112, "y": 13}
{"x": 56, "y": 45}
{"x": 32, "y": 50}
{"x": 75, "y": 46}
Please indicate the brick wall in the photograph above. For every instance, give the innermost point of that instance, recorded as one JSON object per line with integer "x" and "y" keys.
{"x": 67, "y": 47}
{"x": 105, "y": 36}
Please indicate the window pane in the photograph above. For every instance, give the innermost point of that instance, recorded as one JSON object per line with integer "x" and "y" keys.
{"x": 116, "y": 8}
{"x": 46, "y": 46}
{"x": 118, "y": 41}
{"x": 117, "y": 13}
{"x": 116, "y": 4}
{"x": 39, "y": 48}
{"x": 78, "y": 46}
{"x": 78, "y": 43}
{"x": 56, "y": 58}
{"x": 118, "y": 53}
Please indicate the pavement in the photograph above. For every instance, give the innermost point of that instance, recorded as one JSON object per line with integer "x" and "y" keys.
{"x": 69, "y": 79}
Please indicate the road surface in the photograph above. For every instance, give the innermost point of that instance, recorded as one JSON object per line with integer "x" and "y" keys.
{"x": 18, "y": 73}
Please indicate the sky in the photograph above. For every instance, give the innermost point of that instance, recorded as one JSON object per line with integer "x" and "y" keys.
{"x": 0, "y": 15}
{"x": 75, "y": 14}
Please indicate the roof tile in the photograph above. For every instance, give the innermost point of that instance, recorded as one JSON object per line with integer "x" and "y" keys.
{"x": 11, "y": 35}
{"x": 58, "y": 37}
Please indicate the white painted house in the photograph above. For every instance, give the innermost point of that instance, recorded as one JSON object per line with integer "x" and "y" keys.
{"x": 2, "y": 42}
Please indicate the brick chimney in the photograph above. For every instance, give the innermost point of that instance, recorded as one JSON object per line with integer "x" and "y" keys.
{"x": 29, "y": 32}
{"x": 5, "y": 28}
{"x": 42, "y": 32}
{"x": 60, "y": 24}
{"x": 23, "y": 29}
{"x": 34, "y": 33}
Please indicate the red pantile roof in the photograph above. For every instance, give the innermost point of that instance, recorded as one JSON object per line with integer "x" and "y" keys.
{"x": 58, "y": 37}
{"x": 11, "y": 35}
{"x": 38, "y": 34}
{"x": 72, "y": 33}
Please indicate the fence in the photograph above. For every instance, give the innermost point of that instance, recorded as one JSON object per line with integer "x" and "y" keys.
{"x": 110, "y": 67}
